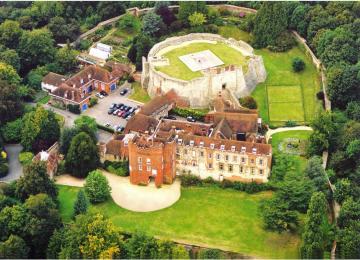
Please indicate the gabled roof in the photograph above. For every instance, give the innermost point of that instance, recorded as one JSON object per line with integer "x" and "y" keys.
{"x": 222, "y": 130}
{"x": 69, "y": 93}
{"x": 53, "y": 79}
{"x": 141, "y": 123}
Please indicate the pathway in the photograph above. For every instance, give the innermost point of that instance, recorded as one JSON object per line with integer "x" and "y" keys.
{"x": 133, "y": 197}
{"x": 15, "y": 168}
{"x": 270, "y": 132}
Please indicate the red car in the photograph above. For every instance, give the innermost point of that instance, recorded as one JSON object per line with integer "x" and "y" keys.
{"x": 120, "y": 113}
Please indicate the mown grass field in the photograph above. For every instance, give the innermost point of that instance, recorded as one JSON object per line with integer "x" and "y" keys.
{"x": 209, "y": 216}
{"x": 138, "y": 93}
{"x": 179, "y": 70}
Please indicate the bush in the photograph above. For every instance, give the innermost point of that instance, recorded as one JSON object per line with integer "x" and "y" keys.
{"x": 224, "y": 12}
{"x": 84, "y": 44}
{"x": 210, "y": 254}
{"x": 93, "y": 101}
{"x": 4, "y": 168}
{"x": 176, "y": 26}
{"x": 119, "y": 168}
{"x": 11, "y": 132}
{"x": 211, "y": 28}
{"x": 248, "y": 102}
{"x": 74, "y": 109}
{"x": 290, "y": 123}
{"x": 298, "y": 64}
{"x": 105, "y": 128}
{"x": 188, "y": 180}
{"x": 320, "y": 95}
{"x": 185, "y": 112}
{"x": 283, "y": 43}
{"x": 97, "y": 187}
{"x": 26, "y": 157}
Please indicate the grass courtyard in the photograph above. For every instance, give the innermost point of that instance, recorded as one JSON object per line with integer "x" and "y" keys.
{"x": 178, "y": 69}
{"x": 139, "y": 93}
{"x": 286, "y": 95}
{"x": 214, "y": 217}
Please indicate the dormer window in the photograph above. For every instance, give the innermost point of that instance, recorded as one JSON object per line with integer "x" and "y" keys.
{"x": 89, "y": 76}
{"x": 212, "y": 146}
{"x": 81, "y": 81}
{"x": 233, "y": 148}
{"x": 74, "y": 86}
{"x": 254, "y": 150}
{"x": 222, "y": 147}
{"x": 192, "y": 143}
{"x": 201, "y": 144}
{"x": 243, "y": 149}
{"x": 179, "y": 141}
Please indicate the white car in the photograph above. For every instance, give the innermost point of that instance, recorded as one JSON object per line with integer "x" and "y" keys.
{"x": 99, "y": 95}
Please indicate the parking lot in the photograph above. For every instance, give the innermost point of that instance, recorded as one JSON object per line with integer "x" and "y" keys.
{"x": 100, "y": 111}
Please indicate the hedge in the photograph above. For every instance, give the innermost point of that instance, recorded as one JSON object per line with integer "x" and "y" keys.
{"x": 120, "y": 168}
{"x": 188, "y": 180}
{"x": 185, "y": 112}
{"x": 74, "y": 109}
{"x": 25, "y": 157}
{"x": 105, "y": 128}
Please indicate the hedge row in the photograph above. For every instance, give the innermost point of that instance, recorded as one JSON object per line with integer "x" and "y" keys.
{"x": 188, "y": 180}
{"x": 185, "y": 112}
{"x": 105, "y": 128}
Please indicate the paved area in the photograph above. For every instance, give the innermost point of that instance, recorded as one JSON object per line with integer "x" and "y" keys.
{"x": 100, "y": 111}
{"x": 133, "y": 197}
{"x": 15, "y": 168}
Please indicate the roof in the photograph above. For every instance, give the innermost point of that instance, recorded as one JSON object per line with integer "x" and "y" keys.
{"x": 222, "y": 130}
{"x": 101, "y": 54}
{"x": 141, "y": 123}
{"x": 228, "y": 144}
{"x": 103, "y": 47}
{"x": 195, "y": 128}
{"x": 53, "y": 79}
{"x": 114, "y": 147}
{"x": 69, "y": 93}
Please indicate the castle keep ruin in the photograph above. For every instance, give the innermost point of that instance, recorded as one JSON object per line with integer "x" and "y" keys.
{"x": 201, "y": 91}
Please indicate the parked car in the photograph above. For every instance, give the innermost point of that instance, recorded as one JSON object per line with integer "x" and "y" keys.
{"x": 104, "y": 93}
{"x": 120, "y": 114}
{"x": 190, "y": 119}
{"x": 119, "y": 105}
{"x": 170, "y": 117}
{"x": 113, "y": 105}
{"x": 111, "y": 110}
{"x": 116, "y": 111}
{"x": 128, "y": 108}
{"x": 124, "y": 107}
{"x": 99, "y": 95}
{"x": 124, "y": 91}
{"x": 132, "y": 110}
{"x": 128, "y": 117}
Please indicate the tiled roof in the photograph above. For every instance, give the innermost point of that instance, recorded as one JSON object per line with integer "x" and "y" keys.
{"x": 53, "y": 79}
{"x": 141, "y": 123}
{"x": 69, "y": 93}
{"x": 186, "y": 127}
{"x": 114, "y": 147}
{"x": 228, "y": 144}
{"x": 222, "y": 129}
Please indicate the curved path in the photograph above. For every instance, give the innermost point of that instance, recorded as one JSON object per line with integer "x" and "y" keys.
{"x": 270, "y": 132}
{"x": 15, "y": 167}
{"x": 133, "y": 197}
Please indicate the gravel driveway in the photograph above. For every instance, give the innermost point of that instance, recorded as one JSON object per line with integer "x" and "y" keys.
{"x": 15, "y": 168}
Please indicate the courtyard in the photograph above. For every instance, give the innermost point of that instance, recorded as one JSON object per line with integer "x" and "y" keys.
{"x": 205, "y": 216}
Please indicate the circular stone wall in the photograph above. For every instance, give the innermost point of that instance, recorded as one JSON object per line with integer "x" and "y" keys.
{"x": 200, "y": 88}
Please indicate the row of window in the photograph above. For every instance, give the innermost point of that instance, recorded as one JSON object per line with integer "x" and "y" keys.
{"x": 230, "y": 168}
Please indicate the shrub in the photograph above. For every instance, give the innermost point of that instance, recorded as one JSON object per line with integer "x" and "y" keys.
{"x": 176, "y": 26}
{"x": 118, "y": 168}
{"x": 97, "y": 187}
{"x": 224, "y": 12}
{"x": 284, "y": 42}
{"x": 211, "y": 28}
{"x": 11, "y": 132}
{"x": 298, "y": 64}
{"x": 105, "y": 128}
{"x": 248, "y": 102}
{"x": 320, "y": 95}
{"x": 290, "y": 123}
{"x": 210, "y": 254}
{"x": 84, "y": 44}
{"x": 185, "y": 112}
{"x": 4, "y": 168}
{"x": 74, "y": 109}
{"x": 93, "y": 101}
{"x": 26, "y": 157}
{"x": 188, "y": 180}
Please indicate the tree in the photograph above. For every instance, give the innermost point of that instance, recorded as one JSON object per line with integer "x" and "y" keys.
{"x": 35, "y": 180}
{"x": 151, "y": 23}
{"x": 248, "y": 102}
{"x": 88, "y": 121}
{"x": 10, "y": 33}
{"x": 129, "y": 23}
{"x": 187, "y": 8}
{"x": 141, "y": 46}
{"x": 10, "y": 57}
{"x": 316, "y": 173}
{"x": 314, "y": 236}
{"x": 63, "y": 30}
{"x": 210, "y": 254}
{"x": 44, "y": 218}
{"x": 40, "y": 130}
{"x": 278, "y": 217}
{"x": 65, "y": 59}
{"x": 97, "y": 187}
{"x": 81, "y": 204}
{"x": 11, "y": 106}
{"x": 82, "y": 156}
{"x": 353, "y": 110}
{"x": 162, "y": 8}
{"x": 36, "y": 48}
{"x": 13, "y": 221}
{"x": 141, "y": 246}
{"x": 14, "y": 248}
{"x": 343, "y": 190}
{"x": 266, "y": 28}
{"x": 298, "y": 20}
{"x": 55, "y": 244}
{"x": 298, "y": 64}
{"x": 8, "y": 73}
{"x": 89, "y": 237}
{"x": 197, "y": 19}
{"x": 35, "y": 76}
{"x": 11, "y": 132}
{"x": 348, "y": 241}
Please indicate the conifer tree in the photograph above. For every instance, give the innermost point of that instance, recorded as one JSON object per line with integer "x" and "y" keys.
{"x": 81, "y": 203}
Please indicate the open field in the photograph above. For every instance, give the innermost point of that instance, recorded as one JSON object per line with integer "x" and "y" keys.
{"x": 209, "y": 216}
{"x": 179, "y": 70}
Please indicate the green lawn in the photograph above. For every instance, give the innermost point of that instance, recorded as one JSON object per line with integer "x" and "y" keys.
{"x": 138, "y": 93}
{"x": 179, "y": 70}
{"x": 232, "y": 31}
{"x": 215, "y": 217}
{"x": 285, "y": 85}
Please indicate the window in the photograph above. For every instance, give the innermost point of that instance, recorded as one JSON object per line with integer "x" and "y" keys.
{"x": 201, "y": 144}
{"x": 148, "y": 168}
{"x": 148, "y": 161}
{"x": 233, "y": 148}
{"x": 140, "y": 167}
{"x": 179, "y": 141}
{"x": 243, "y": 149}
{"x": 212, "y": 146}
{"x": 193, "y": 153}
{"x": 230, "y": 168}
{"x": 217, "y": 156}
{"x": 261, "y": 172}
{"x": 201, "y": 154}
{"x": 221, "y": 166}
{"x": 193, "y": 163}
{"x": 254, "y": 150}
{"x": 177, "y": 150}
{"x": 252, "y": 161}
{"x": 241, "y": 169}
{"x": 243, "y": 159}
{"x": 210, "y": 155}
{"x": 185, "y": 151}
{"x": 226, "y": 157}
{"x": 222, "y": 147}
{"x": 210, "y": 165}
{"x": 191, "y": 143}
{"x": 235, "y": 158}
{"x": 139, "y": 160}
{"x": 252, "y": 170}
{"x": 261, "y": 161}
